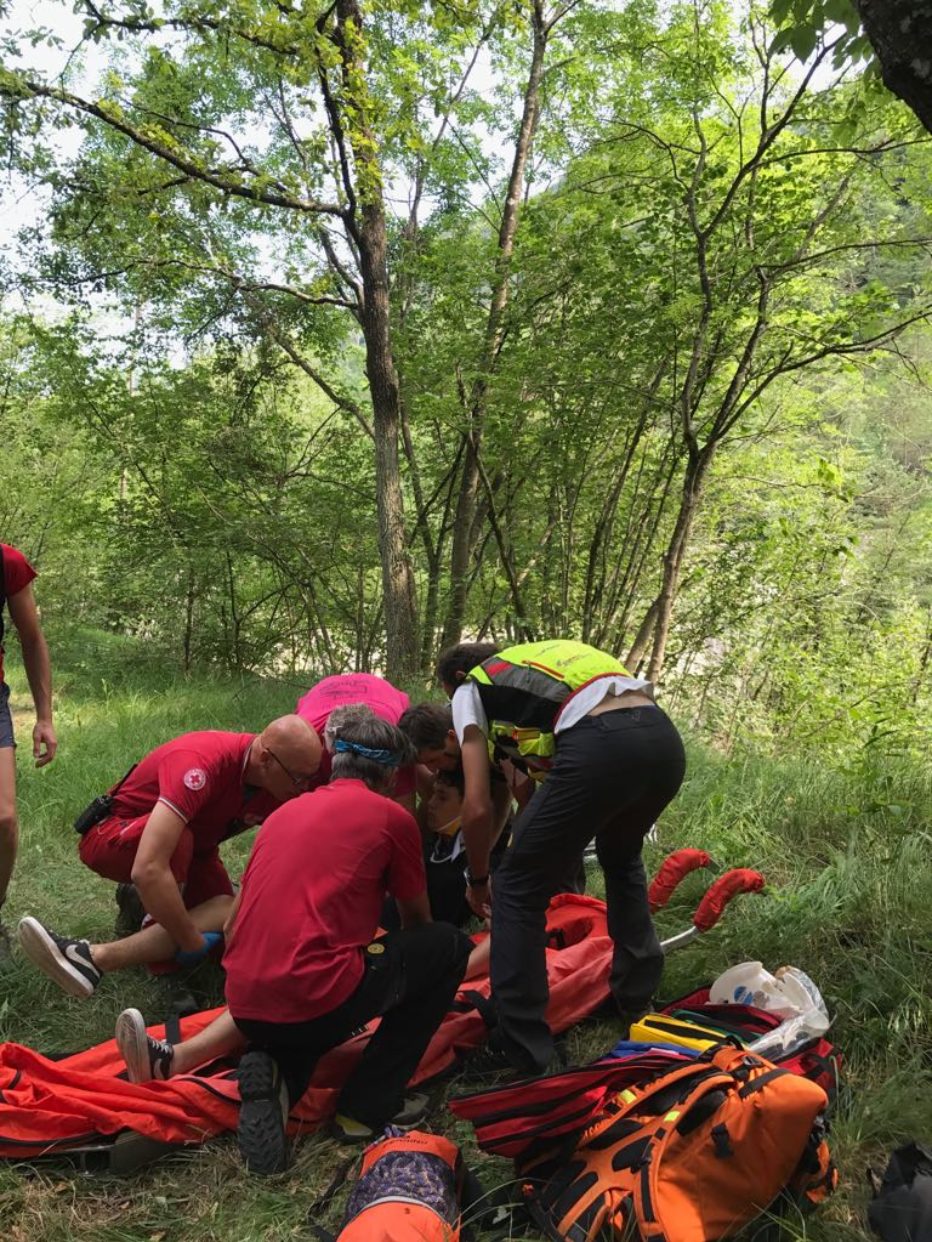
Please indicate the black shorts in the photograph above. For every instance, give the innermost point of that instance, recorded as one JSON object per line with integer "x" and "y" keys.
{"x": 6, "y": 718}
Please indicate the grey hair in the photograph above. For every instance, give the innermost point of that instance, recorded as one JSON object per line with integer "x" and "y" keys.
{"x": 357, "y": 723}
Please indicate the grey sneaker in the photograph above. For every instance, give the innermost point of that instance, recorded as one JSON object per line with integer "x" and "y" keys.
{"x": 68, "y": 962}
{"x": 146, "y": 1057}
{"x": 348, "y": 1130}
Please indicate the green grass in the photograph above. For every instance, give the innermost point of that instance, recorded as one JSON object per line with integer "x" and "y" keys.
{"x": 846, "y": 854}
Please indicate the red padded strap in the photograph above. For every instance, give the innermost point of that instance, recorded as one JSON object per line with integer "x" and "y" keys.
{"x": 727, "y": 886}
{"x": 672, "y": 870}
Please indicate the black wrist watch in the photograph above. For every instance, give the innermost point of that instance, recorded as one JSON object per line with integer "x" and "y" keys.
{"x": 473, "y": 880}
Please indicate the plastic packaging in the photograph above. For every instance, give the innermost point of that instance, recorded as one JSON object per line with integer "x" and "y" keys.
{"x": 789, "y": 993}
{"x": 749, "y": 984}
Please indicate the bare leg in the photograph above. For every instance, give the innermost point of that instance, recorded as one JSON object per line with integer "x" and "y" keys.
{"x": 153, "y": 943}
{"x": 9, "y": 825}
{"x": 478, "y": 963}
{"x": 220, "y": 1039}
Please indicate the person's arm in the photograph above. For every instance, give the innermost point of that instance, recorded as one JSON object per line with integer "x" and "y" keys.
{"x": 25, "y": 616}
{"x": 502, "y": 800}
{"x": 414, "y": 912}
{"x": 158, "y": 888}
{"x": 477, "y": 813}
{"x": 425, "y": 787}
{"x": 477, "y": 818}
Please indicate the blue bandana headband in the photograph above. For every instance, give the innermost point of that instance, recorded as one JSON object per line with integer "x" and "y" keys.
{"x": 388, "y": 758}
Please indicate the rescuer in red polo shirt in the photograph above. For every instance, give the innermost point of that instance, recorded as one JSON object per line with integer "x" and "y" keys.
{"x": 16, "y": 575}
{"x": 161, "y": 828}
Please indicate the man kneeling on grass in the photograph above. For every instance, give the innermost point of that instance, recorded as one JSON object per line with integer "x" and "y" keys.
{"x": 161, "y": 827}
{"x": 303, "y": 967}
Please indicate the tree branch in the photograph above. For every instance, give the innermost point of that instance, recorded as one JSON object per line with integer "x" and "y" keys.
{"x": 14, "y": 87}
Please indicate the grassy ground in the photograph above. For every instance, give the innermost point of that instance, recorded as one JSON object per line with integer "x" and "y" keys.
{"x": 850, "y": 900}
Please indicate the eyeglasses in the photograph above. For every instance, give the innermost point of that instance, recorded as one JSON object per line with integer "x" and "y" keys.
{"x": 300, "y": 782}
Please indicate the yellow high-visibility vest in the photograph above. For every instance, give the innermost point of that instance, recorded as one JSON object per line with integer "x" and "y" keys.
{"x": 523, "y": 690}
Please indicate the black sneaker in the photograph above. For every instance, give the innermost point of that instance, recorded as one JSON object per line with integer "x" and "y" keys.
{"x": 491, "y": 1059}
{"x": 146, "y": 1057}
{"x": 132, "y": 911}
{"x": 262, "y": 1115}
{"x": 67, "y": 961}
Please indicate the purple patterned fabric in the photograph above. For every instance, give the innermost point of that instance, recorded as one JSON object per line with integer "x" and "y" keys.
{"x": 419, "y": 1177}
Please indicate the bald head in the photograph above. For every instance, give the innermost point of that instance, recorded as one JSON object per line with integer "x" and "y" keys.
{"x": 285, "y": 757}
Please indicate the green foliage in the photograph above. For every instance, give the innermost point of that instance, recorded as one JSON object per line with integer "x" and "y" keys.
{"x": 802, "y": 24}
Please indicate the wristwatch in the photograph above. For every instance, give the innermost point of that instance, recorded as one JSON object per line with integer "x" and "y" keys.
{"x": 473, "y": 880}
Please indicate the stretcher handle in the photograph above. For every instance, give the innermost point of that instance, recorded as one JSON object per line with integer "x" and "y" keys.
{"x": 722, "y": 891}
{"x": 674, "y": 868}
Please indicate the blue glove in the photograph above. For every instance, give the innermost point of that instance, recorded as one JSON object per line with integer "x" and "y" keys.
{"x": 191, "y": 957}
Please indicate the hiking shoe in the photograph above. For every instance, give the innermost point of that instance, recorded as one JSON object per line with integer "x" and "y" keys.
{"x": 146, "y": 1057}
{"x": 67, "y": 961}
{"x": 491, "y": 1059}
{"x": 262, "y": 1115}
{"x": 131, "y": 910}
{"x": 348, "y": 1130}
{"x": 628, "y": 1017}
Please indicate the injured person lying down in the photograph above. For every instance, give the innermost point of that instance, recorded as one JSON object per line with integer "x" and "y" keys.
{"x": 445, "y": 853}
{"x": 304, "y": 964}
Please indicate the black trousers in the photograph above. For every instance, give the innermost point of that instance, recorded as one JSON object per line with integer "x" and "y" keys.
{"x": 612, "y": 776}
{"x": 411, "y": 978}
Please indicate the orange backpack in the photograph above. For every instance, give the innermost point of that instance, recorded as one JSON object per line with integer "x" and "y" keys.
{"x": 691, "y": 1157}
{"x": 408, "y": 1190}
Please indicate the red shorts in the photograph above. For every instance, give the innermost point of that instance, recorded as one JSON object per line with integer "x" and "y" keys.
{"x": 109, "y": 848}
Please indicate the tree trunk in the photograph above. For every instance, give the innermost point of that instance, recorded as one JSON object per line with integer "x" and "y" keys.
{"x": 900, "y": 32}
{"x": 188, "y": 643}
{"x": 401, "y": 628}
{"x": 463, "y": 539}
{"x": 641, "y": 642}
{"x": 676, "y": 551}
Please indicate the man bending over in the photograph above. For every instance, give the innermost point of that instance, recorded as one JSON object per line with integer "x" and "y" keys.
{"x": 161, "y": 828}
{"x": 383, "y": 700}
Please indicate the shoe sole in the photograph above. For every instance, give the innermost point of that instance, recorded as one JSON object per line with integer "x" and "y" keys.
{"x": 133, "y": 1045}
{"x": 262, "y": 1115}
{"x": 43, "y": 952}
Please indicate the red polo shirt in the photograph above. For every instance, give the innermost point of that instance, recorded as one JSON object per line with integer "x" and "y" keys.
{"x": 312, "y": 899}
{"x": 387, "y": 702}
{"x": 17, "y": 573}
{"x": 200, "y": 777}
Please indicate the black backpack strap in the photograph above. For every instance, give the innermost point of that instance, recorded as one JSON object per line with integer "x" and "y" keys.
{"x": 326, "y": 1197}
{"x": 484, "y": 1006}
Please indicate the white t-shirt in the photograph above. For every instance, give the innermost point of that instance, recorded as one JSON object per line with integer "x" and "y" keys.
{"x": 468, "y": 710}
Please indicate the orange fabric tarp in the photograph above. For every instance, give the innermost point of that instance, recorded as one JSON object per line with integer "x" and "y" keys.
{"x": 50, "y": 1105}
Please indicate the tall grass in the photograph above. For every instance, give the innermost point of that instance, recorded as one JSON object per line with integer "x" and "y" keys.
{"x": 849, "y": 899}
